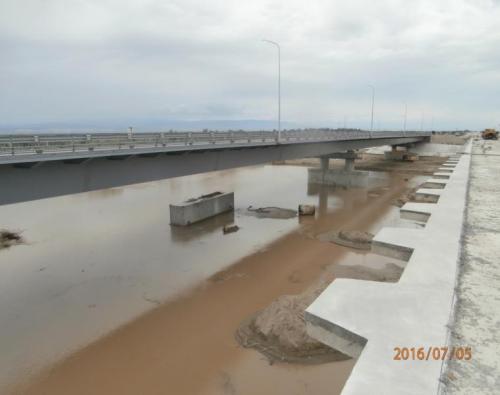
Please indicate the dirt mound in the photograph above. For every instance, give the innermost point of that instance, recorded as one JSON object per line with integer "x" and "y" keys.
{"x": 349, "y": 238}
{"x": 356, "y": 236}
{"x": 408, "y": 196}
{"x": 377, "y": 192}
{"x": 389, "y": 273}
{"x": 272, "y": 212}
{"x": 8, "y": 239}
{"x": 279, "y": 332}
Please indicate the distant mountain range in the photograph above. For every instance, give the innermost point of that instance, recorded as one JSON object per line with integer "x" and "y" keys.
{"x": 144, "y": 125}
{"x": 163, "y": 125}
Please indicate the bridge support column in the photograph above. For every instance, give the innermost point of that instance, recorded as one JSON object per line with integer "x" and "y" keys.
{"x": 325, "y": 163}
{"x": 346, "y": 176}
{"x": 349, "y": 161}
{"x": 402, "y": 154}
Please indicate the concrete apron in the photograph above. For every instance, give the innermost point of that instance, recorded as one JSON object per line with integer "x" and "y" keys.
{"x": 367, "y": 319}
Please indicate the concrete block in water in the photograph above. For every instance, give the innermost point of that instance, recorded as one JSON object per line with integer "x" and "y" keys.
{"x": 198, "y": 209}
{"x": 230, "y": 229}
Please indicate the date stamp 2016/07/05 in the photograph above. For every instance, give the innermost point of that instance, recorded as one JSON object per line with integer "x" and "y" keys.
{"x": 432, "y": 353}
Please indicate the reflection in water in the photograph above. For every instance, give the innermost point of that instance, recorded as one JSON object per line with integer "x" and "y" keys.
{"x": 94, "y": 261}
{"x": 195, "y": 231}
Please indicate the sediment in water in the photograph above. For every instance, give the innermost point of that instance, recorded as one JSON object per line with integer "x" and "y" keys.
{"x": 9, "y": 238}
{"x": 279, "y": 331}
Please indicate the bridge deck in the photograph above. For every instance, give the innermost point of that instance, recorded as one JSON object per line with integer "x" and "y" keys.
{"x": 41, "y": 147}
{"x": 37, "y": 167}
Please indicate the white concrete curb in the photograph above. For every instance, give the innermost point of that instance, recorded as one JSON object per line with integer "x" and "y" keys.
{"x": 369, "y": 320}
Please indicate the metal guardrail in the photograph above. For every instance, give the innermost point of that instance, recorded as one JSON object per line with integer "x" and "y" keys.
{"x": 24, "y": 144}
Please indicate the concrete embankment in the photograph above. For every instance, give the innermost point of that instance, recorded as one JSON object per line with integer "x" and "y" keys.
{"x": 369, "y": 320}
{"x": 476, "y": 321}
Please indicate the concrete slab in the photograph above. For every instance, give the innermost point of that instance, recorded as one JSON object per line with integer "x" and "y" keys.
{"x": 396, "y": 243}
{"x": 369, "y": 320}
{"x": 428, "y": 195}
{"x": 195, "y": 210}
{"x": 441, "y": 175}
{"x": 417, "y": 211}
{"x": 429, "y": 191}
{"x": 435, "y": 183}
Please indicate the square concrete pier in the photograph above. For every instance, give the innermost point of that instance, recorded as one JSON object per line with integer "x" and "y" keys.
{"x": 203, "y": 207}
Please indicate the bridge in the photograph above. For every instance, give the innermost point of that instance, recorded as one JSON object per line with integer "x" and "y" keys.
{"x": 47, "y": 165}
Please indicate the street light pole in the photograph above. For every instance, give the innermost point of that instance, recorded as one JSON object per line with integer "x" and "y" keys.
{"x": 373, "y": 105}
{"x": 279, "y": 85}
{"x": 406, "y": 115}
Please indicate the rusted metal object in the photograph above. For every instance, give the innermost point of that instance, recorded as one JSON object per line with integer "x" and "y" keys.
{"x": 306, "y": 209}
{"x": 230, "y": 228}
{"x": 489, "y": 134}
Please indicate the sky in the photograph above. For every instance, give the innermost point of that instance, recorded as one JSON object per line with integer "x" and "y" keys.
{"x": 106, "y": 62}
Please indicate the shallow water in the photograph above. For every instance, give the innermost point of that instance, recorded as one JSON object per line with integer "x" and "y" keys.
{"x": 95, "y": 261}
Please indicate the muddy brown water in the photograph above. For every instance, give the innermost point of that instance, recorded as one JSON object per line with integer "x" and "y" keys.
{"x": 186, "y": 344}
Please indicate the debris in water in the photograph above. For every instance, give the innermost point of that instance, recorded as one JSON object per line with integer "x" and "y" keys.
{"x": 305, "y": 209}
{"x": 9, "y": 238}
{"x": 230, "y": 229}
{"x": 272, "y": 212}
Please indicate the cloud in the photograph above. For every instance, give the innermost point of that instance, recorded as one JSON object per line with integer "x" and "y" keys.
{"x": 73, "y": 60}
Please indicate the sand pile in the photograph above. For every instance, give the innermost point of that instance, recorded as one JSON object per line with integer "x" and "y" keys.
{"x": 349, "y": 238}
{"x": 377, "y": 192}
{"x": 389, "y": 273}
{"x": 408, "y": 196}
{"x": 279, "y": 331}
{"x": 8, "y": 239}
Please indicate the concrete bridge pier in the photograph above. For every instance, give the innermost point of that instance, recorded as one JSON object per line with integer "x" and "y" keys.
{"x": 350, "y": 157}
{"x": 325, "y": 163}
{"x": 400, "y": 152}
{"x": 346, "y": 176}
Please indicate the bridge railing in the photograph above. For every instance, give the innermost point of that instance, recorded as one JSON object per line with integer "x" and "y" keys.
{"x": 21, "y": 144}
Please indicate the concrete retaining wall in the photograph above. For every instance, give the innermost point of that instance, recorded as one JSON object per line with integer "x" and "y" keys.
{"x": 199, "y": 209}
{"x": 368, "y": 319}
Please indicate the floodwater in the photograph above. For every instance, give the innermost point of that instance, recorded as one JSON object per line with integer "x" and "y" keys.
{"x": 94, "y": 262}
